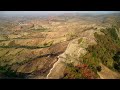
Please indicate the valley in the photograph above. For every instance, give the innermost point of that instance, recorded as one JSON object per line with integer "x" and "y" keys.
{"x": 60, "y": 47}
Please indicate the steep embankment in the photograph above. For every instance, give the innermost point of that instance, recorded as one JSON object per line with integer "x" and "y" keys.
{"x": 84, "y": 55}
{"x": 75, "y": 49}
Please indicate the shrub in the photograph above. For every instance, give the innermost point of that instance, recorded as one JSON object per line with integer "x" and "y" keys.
{"x": 71, "y": 36}
{"x": 107, "y": 46}
{"x": 99, "y": 68}
{"x": 8, "y": 73}
{"x": 78, "y": 72}
{"x": 116, "y": 59}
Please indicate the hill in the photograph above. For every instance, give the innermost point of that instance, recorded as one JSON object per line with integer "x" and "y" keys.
{"x": 70, "y": 46}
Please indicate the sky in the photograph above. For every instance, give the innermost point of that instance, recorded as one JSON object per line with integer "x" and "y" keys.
{"x": 51, "y": 12}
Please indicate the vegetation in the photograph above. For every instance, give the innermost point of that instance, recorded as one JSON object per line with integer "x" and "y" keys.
{"x": 40, "y": 29}
{"x": 78, "y": 72}
{"x": 28, "y": 47}
{"x": 48, "y": 43}
{"x": 117, "y": 61}
{"x": 107, "y": 51}
{"x": 71, "y": 36}
{"x": 107, "y": 46}
{"x": 13, "y": 45}
{"x": 8, "y": 73}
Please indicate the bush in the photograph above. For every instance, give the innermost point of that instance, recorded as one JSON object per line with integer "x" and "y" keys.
{"x": 99, "y": 68}
{"x": 8, "y": 73}
{"x": 116, "y": 59}
{"x": 78, "y": 72}
{"x": 107, "y": 46}
{"x": 71, "y": 36}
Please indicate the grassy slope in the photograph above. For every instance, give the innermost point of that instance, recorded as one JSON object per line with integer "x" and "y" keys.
{"x": 106, "y": 51}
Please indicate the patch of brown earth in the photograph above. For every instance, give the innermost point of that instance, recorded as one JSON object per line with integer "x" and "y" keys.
{"x": 40, "y": 65}
{"x": 106, "y": 73}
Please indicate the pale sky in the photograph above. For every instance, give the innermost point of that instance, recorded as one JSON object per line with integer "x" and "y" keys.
{"x": 51, "y": 12}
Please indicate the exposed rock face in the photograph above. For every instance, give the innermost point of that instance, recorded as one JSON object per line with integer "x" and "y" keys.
{"x": 74, "y": 50}
{"x": 57, "y": 70}
{"x": 72, "y": 53}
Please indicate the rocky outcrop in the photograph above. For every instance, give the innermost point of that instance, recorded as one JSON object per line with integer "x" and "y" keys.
{"x": 74, "y": 50}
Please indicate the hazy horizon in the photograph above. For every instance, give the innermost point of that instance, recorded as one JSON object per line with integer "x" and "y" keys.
{"x": 14, "y": 13}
